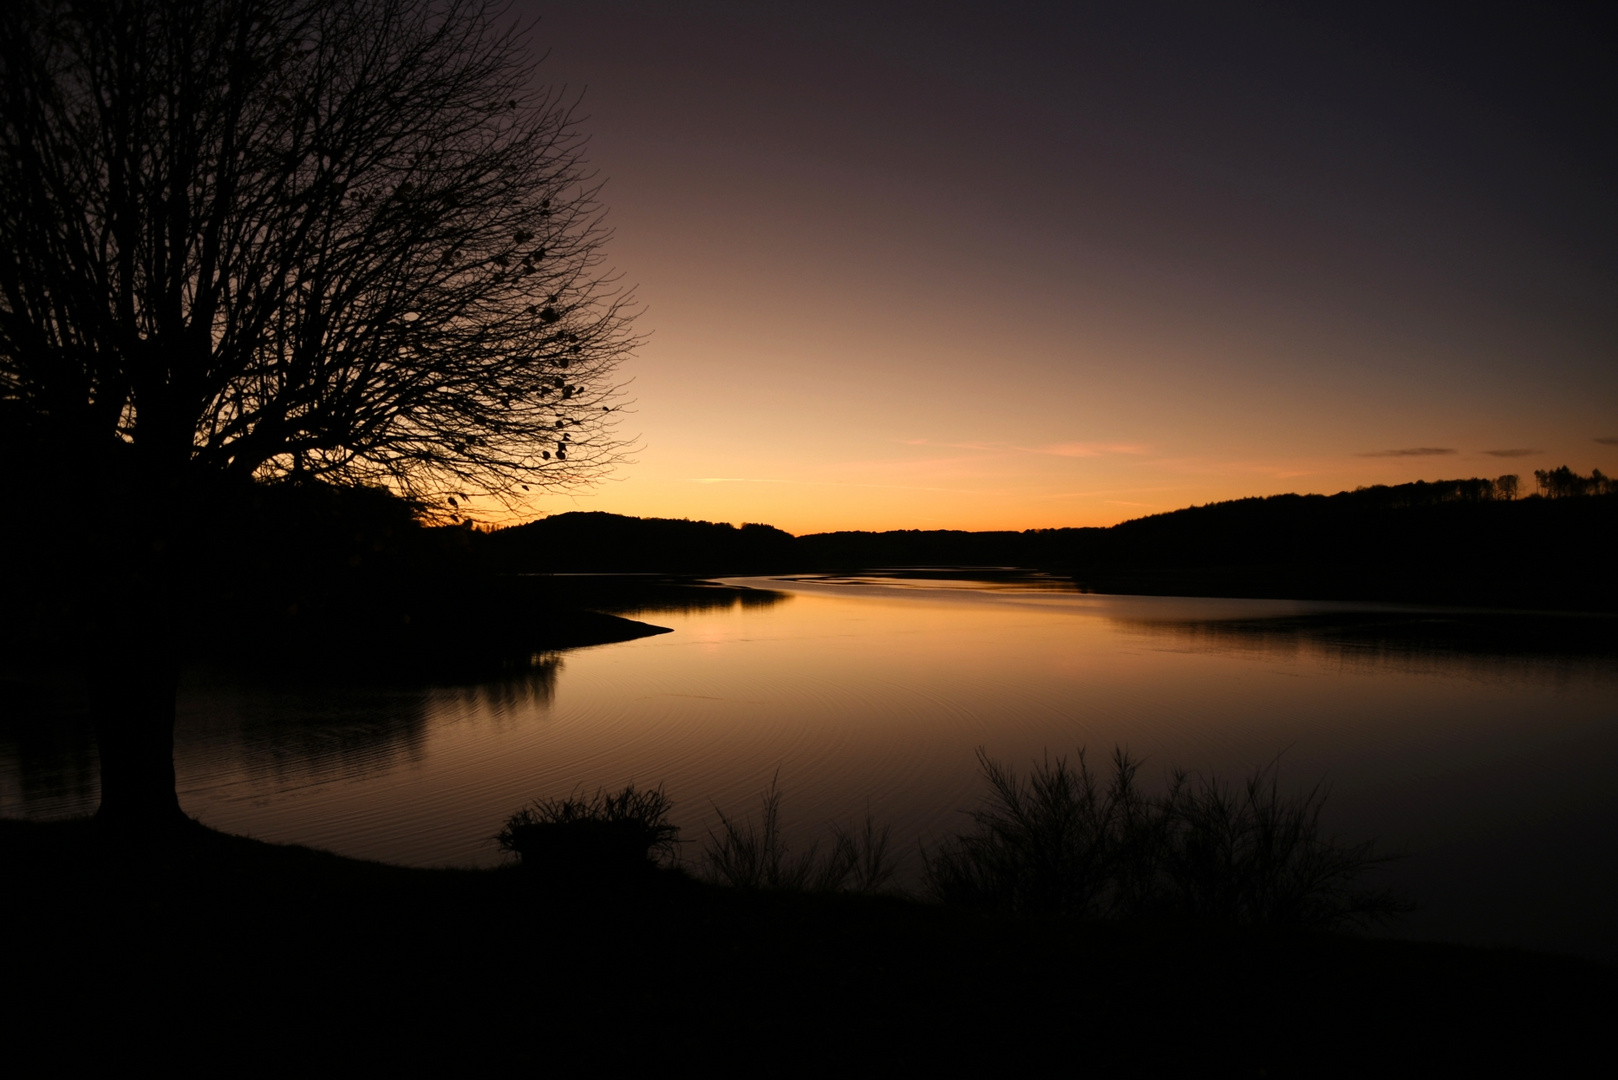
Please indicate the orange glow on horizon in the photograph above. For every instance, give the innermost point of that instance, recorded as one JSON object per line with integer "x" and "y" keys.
{"x": 1123, "y": 302}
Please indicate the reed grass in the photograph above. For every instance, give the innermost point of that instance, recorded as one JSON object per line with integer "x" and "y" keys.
{"x": 1062, "y": 841}
{"x": 752, "y": 854}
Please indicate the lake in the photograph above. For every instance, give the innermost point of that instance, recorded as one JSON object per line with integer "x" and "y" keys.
{"x": 1480, "y": 747}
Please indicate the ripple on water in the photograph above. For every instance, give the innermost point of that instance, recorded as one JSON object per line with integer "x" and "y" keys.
{"x": 878, "y": 692}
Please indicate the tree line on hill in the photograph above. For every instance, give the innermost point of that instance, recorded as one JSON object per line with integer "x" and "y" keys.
{"x": 1464, "y": 541}
{"x": 295, "y": 572}
{"x": 1564, "y": 483}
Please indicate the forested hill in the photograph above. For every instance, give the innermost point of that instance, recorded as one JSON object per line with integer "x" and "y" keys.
{"x": 595, "y": 542}
{"x": 1409, "y": 542}
{"x": 1443, "y": 542}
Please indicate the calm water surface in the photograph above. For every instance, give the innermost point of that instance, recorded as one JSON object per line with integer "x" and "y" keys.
{"x": 1486, "y": 759}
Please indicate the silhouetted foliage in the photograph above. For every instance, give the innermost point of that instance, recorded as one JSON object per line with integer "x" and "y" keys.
{"x": 1461, "y": 542}
{"x": 1063, "y": 842}
{"x": 1447, "y": 541}
{"x": 1425, "y": 493}
{"x": 322, "y": 239}
{"x": 1453, "y": 541}
{"x": 604, "y": 835}
{"x": 598, "y": 542}
{"x": 1081, "y": 549}
{"x": 328, "y": 578}
{"x": 1419, "y": 542}
{"x": 754, "y": 855}
{"x": 1564, "y": 483}
{"x": 312, "y": 238}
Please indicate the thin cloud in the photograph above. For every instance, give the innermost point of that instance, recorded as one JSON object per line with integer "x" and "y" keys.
{"x": 1515, "y": 453}
{"x": 1104, "y": 491}
{"x": 817, "y": 483}
{"x": 1221, "y": 468}
{"x": 950, "y": 445}
{"x": 1083, "y": 449}
{"x": 1607, "y": 440}
{"x": 1066, "y": 449}
{"x": 1414, "y": 451}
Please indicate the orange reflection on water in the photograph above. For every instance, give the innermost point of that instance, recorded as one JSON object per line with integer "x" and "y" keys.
{"x": 877, "y": 692}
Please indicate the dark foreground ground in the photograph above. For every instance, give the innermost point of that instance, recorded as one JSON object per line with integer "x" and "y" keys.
{"x": 231, "y": 956}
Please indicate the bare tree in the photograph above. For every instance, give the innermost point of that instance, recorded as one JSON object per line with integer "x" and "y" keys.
{"x": 344, "y": 239}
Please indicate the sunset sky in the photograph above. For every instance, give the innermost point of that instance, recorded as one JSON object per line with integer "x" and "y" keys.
{"x": 1011, "y": 266}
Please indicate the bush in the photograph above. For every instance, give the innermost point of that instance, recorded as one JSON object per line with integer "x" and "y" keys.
{"x": 603, "y": 835}
{"x": 1062, "y": 843}
{"x": 746, "y": 855}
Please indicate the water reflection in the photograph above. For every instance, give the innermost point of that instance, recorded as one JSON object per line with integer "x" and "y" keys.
{"x": 634, "y": 595}
{"x": 48, "y": 762}
{"x": 973, "y": 579}
{"x": 1479, "y": 744}
{"x": 1527, "y": 644}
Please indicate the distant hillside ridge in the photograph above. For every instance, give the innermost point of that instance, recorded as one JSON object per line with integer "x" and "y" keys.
{"x": 1410, "y": 542}
{"x": 596, "y": 542}
{"x": 1448, "y": 542}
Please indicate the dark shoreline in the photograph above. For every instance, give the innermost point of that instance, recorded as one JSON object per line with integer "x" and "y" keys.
{"x": 1416, "y": 543}
{"x": 210, "y": 950}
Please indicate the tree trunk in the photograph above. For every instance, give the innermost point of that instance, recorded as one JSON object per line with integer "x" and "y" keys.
{"x": 135, "y": 661}
{"x": 133, "y": 696}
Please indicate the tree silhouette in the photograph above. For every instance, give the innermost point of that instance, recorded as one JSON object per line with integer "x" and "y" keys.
{"x": 334, "y": 239}
{"x": 1564, "y": 483}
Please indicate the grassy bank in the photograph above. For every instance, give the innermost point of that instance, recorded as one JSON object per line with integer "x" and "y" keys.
{"x": 217, "y": 952}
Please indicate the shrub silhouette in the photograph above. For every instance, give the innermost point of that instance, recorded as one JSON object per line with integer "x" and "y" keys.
{"x": 1060, "y": 842}
{"x": 748, "y": 855}
{"x": 600, "y": 836}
